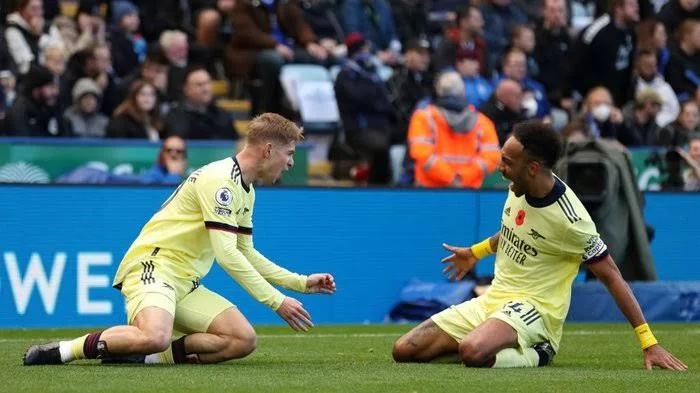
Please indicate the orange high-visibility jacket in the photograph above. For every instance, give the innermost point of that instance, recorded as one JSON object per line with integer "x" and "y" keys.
{"x": 441, "y": 152}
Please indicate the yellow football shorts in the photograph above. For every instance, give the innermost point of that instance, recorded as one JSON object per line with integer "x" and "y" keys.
{"x": 523, "y": 317}
{"x": 151, "y": 284}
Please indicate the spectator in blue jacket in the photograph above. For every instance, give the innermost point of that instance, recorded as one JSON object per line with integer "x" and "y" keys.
{"x": 374, "y": 20}
{"x": 171, "y": 164}
{"x": 477, "y": 88}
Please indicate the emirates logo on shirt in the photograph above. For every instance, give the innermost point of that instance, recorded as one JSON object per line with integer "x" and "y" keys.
{"x": 520, "y": 218}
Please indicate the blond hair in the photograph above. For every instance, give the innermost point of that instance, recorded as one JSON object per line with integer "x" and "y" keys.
{"x": 271, "y": 127}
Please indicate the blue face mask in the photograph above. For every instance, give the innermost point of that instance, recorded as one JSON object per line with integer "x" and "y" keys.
{"x": 363, "y": 57}
{"x": 267, "y": 2}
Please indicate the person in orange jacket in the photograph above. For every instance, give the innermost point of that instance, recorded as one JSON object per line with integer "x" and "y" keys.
{"x": 453, "y": 144}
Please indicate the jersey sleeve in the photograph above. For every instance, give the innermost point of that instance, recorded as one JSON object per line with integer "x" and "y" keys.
{"x": 217, "y": 202}
{"x": 583, "y": 242}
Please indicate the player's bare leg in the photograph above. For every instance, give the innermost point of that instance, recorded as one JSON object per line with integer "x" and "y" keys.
{"x": 230, "y": 336}
{"x": 424, "y": 343}
{"x": 150, "y": 332}
{"x": 480, "y": 346}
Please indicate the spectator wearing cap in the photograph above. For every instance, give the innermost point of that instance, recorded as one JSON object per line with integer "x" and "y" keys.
{"x": 268, "y": 35}
{"x": 515, "y": 68}
{"x": 467, "y": 35}
{"x": 128, "y": 47}
{"x": 373, "y": 18}
{"x": 683, "y": 70}
{"x": 685, "y": 127}
{"x": 411, "y": 83}
{"x": 197, "y": 116}
{"x": 34, "y": 112}
{"x": 83, "y": 117}
{"x": 477, "y": 88}
{"x": 453, "y": 145}
{"x": 649, "y": 79}
{"x": 365, "y": 108}
{"x": 639, "y": 126}
{"x": 553, "y": 54}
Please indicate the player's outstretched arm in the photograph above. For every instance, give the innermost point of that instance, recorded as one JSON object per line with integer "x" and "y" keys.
{"x": 654, "y": 354}
{"x": 463, "y": 259}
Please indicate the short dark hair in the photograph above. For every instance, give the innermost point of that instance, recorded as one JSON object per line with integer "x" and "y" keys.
{"x": 194, "y": 68}
{"x": 156, "y": 55}
{"x": 540, "y": 141}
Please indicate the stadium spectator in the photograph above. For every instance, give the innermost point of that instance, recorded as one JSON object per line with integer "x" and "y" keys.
{"x": 411, "y": 83}
{"x": 365, "y": 108}
{"x": 373, "y": 18}
{"x": 197, "y": 116}
{"x": 8, "y": 83}
{"x": 106, "y": 79}
{"x": 138, "y": 116}
{"x": 515, "y": 68}
{"x": 411, "y": 18}
{"x": 651, "y": 36}
{"x": 269, "y": 34}
{"x": 478, "y": 89}
{"x": 83, "y": 118}
{"x": 504, "y": 108}
{"x": 322, "y": 16}
{"x": 674, "y": 12}
{"x": 686, "y": 126}
{"x": 605, "y": 51}
{"x": 499, "y": 18}
{"x": 467, "y": 35}
{"x": 453, "y": 145}
{"x": 553, "y": 52}
{"x": 82, "y": 64}
{"x": 34, "y": 112}
{"x": 639, "y": 120}
{"x": 523, "y": 38}
{"x": 683, "y": 70}
{"x": 165, "y": 15}
{"x": 25, "y": 34}
{"x": 176, "y": 48}
{"x": 171, "y": 164}
{"x": 691, "y": 177}
{"x": 128, "y": 46}
{"x": 55, "y": 60}
{"x": 154, "y": 70}
{"x": 648, "y": 78}
{"x": 600, "y": 115}
{"x": 92, "y": 30}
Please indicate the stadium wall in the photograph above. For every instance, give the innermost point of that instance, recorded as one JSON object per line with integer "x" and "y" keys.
{"x": 60, "y": 245}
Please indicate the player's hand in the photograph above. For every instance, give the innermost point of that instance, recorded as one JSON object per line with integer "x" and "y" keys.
{"x": 656, "y": 355}
{"x": 292, "y": 311}
{"x": 459, "y": 263}
{"x": 320, "y": 283}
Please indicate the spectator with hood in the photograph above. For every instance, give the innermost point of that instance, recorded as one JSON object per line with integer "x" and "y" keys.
{"x": 84, "y": 117}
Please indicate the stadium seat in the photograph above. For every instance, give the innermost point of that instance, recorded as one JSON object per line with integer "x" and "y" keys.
{"x": 309, "y": 90}
{"x": 396, "y": 156}
{"x": 220, "y": 87}
{"x": 241, "y": 127}
{"x": 234, "y": 105}
{"x": 335, "y": 70}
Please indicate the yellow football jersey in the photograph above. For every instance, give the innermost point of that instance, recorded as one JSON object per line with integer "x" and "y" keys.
{"x": 542, "y": 243}
{"x": 210, "y": 215}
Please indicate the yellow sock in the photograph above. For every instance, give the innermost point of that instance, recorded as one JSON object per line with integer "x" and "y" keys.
{"x": 511, "y": 357}
{"x": 165, "y": 357}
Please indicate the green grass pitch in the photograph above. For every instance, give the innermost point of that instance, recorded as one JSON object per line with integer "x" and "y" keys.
{"x": 593, "y": 358}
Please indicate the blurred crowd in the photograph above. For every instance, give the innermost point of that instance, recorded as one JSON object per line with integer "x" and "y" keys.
{"x": 461, "y": 73}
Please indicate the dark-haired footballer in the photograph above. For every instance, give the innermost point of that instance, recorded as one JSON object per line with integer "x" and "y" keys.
{"x": 546, "y": 234}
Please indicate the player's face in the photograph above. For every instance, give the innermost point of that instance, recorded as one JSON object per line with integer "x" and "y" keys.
{"x": 278, "y": 158}
{"x": 513, "y": 166}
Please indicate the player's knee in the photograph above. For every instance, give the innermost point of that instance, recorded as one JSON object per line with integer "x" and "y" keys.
{"x": 155, "y": 342}
{"x": 402, "y": 352}
{"x": 248, "y": 343}
{"x": 471, "y": 354}
{"x": 240, "y": 345}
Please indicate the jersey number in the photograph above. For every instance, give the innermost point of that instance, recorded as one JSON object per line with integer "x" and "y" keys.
{"x": 517, "y": 307}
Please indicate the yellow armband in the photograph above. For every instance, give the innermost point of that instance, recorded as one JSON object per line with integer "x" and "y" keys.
{"x": 645, "y": 336}
{"x": 482, "y": 249}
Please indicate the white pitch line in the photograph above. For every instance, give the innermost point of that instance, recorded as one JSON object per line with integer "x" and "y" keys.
{"x": 379, "y": 335}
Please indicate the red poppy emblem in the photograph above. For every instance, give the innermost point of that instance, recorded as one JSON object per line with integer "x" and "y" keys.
{"x": 520, "y": 218}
